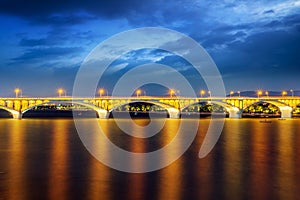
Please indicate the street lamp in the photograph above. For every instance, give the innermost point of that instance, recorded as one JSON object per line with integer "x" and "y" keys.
{"x": 267, "y": 94}
{"x": 259, "y": 93}
{"x": 231, "y": 93}
{"x": 209, "y": 92}
{"x": 60, "y": 91}
{"x": 101, "y": 92}
{"x": 292, "y": 91}
{"x": 239, "y": 92}
{"x": 17, "y": 91}
{"x": 138, "y": 92}
{"x": 202, "y": 92}
{"x": 172, "y": 92}
{"x": 284, "y": 93}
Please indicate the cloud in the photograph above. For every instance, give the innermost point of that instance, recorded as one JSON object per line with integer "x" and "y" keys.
{"x": 58, "y": 47}
{"x": 116, "y": 68}
{"x": 33, "y": 42}
{"x": 40, "y": 54}
{"x": 269, "y": 12}
{"x": 268, "y": 53}
{"x": 63, "y": 11}
{"x": 243, "y": 37}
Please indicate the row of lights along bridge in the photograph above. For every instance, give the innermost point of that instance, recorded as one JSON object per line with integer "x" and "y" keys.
{"x": 172, "y": 92}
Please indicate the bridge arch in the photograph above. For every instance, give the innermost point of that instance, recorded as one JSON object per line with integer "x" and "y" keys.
{"x": 172, "y": 112}
{"x": 296, "y": 111}
{"x": 233, "y": 111}
{"x": 285, "y": 110}
{"x": 15, "y": 114}
{"x": 101, "y": 112}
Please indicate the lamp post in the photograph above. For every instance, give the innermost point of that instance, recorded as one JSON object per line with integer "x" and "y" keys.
{"x": 172, "y": 92}
{"x": 202, "y": 92}
{"x": 267, "y": 94}
{"x": 17, "y": 91}
{"x": 60, "y": 91}
{"x": 239, "y": 92}
{"x": 292, "y": 91}
{"x": 284, "y": 93}
{"x": 209, "y": 92}
{"x": 138, "y": 92}
{"x": 101, "y": 92}
{"x": 231, "y": 93}
{"x": 259, "y": 93}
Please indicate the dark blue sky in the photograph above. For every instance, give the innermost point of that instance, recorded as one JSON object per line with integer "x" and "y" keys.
{"x": 255, "y": 44}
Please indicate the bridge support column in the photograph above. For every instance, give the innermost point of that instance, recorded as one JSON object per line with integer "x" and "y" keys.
{"x": 17, "y": 115}
{"x": 103, "y": 114}
{"x": 286, "y": 112}
{"x": 173, "y": 113}
{"x": 234, "y": 113}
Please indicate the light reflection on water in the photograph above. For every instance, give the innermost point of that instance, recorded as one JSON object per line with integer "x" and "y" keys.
{"x": 45, "y": 159}
{"x": 58, "y": 161}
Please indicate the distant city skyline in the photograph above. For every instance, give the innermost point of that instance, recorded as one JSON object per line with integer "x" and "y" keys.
{"x": 255, "y": 45}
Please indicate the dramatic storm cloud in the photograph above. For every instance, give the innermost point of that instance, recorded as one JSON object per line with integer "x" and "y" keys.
{"x": 254, "y": 44}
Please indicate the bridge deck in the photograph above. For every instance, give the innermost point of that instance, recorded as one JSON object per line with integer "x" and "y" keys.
{"x": 21, "y": 104}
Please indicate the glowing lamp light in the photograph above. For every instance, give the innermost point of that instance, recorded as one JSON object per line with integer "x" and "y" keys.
{"x": 17, "y": 91}
{"x": 172, "y": 92}
{"x": 231, "y": 93}
{"x": 259, "y": 93}
{"x": 202, "y": 92}
{"x": 138, "y": 92}
{"x": 101, "y": 92}
{"x": 60, "y": 91}
{"x": 292, "y": 91}
{"x": 284, "y": 93}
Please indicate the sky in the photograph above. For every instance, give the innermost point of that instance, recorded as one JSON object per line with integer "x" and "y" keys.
{"x": 255, "y": 44}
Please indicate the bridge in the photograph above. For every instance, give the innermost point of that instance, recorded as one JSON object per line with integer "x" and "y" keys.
{"x": 234, "y": 106}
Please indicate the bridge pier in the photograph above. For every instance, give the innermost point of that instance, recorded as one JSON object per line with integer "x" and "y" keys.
{"x": 234, "y": 113}
{"x": 286, "y": 112}
{"x": 17, "y": 115}
{"x": 102, "y": 114}
{"x": 173, "y": 113}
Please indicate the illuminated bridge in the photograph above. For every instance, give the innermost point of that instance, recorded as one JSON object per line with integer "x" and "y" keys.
{"x": 174, "y": 106}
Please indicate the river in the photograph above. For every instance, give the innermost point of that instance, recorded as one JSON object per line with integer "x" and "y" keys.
{"x": 45, "y": 159}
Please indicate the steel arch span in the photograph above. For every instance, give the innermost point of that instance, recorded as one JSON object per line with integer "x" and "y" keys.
{"x": 233, "y": 111}
{"x": 286, "y": 111}
{"x": 173, "y": 112}
{"x": 101, "y": 112}
{"x": 14, "y": 113}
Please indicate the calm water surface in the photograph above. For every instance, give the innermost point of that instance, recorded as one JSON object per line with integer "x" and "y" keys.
{"x": 45, "y": 159}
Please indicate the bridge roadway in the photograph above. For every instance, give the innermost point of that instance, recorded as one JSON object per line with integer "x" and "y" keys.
{"x": 234, "y": 105}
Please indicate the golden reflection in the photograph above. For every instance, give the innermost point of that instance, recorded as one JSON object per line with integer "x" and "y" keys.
{"x": 232, "y": 159}
{"x": 99, "y": 176}
{"x": 295, "y": 157}
{"x": 259, "y": 146}
{"x": 203, "y": 172}
{"x": 136, "y": 191}
{"x": 285, "y": 161}
{"x": 170, "y": 178}
{"x": 58, "y": 177}
{"x": 16, "y": 172}
{"x": 260, "y": 158}
{"x": 143, "y": 122}
{"x": 137, "y": 145}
